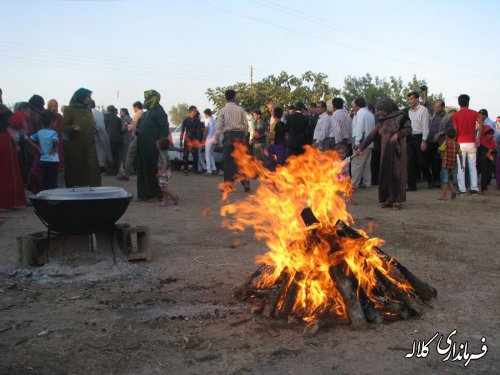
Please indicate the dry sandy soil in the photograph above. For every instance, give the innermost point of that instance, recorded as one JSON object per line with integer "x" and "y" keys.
{"x": 175, "y": 314}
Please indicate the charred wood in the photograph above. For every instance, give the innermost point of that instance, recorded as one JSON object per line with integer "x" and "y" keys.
{"x": 291, "y": 296}
{"x": 411, "y": 303}
{"x": 422, "y": 289}
{"x": 276, "y": 293}
{"x": 346, "y": 289}
{"x": 241, "y": 291}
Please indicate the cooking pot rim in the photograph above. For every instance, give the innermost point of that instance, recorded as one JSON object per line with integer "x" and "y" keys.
{"x": 82, "y": 194}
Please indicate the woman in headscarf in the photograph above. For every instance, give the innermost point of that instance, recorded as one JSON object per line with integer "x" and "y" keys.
{"x": 53, "y": 106}
{"x": 152, "y": 126}
{"x": 11, "y": 181}
{"x": 393, "y": 126}
{"x": 81, "y": 168}
{"x": 36, "y": 103}
{"x": 32, "y": 162}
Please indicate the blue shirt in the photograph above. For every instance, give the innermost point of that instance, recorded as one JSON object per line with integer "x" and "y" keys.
{"x": 44, "y": 137}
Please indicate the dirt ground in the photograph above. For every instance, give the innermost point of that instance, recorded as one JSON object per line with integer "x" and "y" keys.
{"x": 176, "y": 315}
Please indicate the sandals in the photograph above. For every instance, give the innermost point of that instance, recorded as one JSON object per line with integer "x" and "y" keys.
{"x": 176, "y": 200}
{"x": 395, "y": 205}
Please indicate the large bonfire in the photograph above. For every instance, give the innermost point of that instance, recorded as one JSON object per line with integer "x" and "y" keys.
{"x": 318, "y": 269}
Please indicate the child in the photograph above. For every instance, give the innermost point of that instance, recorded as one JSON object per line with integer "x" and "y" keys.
{"x": 485, "y": 157}
{"x": 48, "y": 140}
{"x": 449, "y": 151}
{"x": 164, "y": 172}
{"x": 344, "y": 173}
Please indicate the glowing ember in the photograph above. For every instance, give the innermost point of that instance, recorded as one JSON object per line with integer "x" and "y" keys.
{"x": 324, "y": 270}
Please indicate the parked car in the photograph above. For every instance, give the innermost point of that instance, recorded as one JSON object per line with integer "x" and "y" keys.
{"x": 175, "y": 153}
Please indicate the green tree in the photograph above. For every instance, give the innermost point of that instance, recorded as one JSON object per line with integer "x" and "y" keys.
{"x": 373, "y": 88}
{"x": 282, "y": 89}
{"x": 366, "y": 86}
{"x": 177, "y": 113}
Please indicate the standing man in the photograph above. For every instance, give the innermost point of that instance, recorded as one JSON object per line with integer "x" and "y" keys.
{"x": 188, "y": 137}
{"x": 322, "y": 129}
{"x": 417, "y": 141}
{"x": 232, "y": 123}
{"x": 438, "y": 123}
{"x": 132, "y": 147}
{"x": 341, "y": 128}
{"x": 313, "y": 120}
{"x": 298, "y": 125}
{"x": 114, "y": 129}
{"x": 486, "y": 120}
{"x": 465, "y": 122}
{"x": 210, "y": 128}
{"x": 101, "y": 139}
{"x": 270, "y": 109}
{"x": 259, "y": 136}
{"x": 362, "y": 124}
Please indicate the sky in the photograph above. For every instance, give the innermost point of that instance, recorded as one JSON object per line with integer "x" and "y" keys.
{"x": 120, "y": 48}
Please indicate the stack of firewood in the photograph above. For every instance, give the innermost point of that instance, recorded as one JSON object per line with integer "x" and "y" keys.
{"x": 385, "y": 300}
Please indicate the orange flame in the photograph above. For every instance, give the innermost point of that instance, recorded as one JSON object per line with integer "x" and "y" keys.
{"x": 312, "y": 180}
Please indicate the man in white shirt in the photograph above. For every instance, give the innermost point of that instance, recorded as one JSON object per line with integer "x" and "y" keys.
{"x": 322, "y": 129}
{"x": 341, "y": 128}
{"x": 362, "y": 125}
{"x": 417, "y": 141}
{"x": 210, "y": 129}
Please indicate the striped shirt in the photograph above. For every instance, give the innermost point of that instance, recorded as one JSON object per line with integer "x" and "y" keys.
{"x": 341, "y": 126}
{"x": 231, "y": 117}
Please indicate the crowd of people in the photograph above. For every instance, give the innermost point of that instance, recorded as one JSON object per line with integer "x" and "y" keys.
{"x": 382, "y": 144}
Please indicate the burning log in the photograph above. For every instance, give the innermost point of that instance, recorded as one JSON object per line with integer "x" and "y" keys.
{"x": 410, "y": 304}
{"x": 358, "y": 291}
{"x": 245, "y": 289}
{"x": 277, "y": 294}
{"x": 290, "y": 296}
{"x": 368, "y": 306}
{"x": 345, "y": 287}
{"x": 422, "y": 289}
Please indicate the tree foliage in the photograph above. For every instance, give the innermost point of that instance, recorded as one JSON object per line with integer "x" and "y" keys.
{"x": 282, "y": 89}
{"x": 177, "y": 113}
{"x": 286, "y": 89}
{"x": 372, "y": 88}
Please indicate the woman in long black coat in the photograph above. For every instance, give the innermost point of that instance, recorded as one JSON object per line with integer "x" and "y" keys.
{"x": 152, "y": 126}
{"x": 392, "y": 127}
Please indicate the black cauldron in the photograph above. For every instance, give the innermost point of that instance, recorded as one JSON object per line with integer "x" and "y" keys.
{"x": 81, "y": 210}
